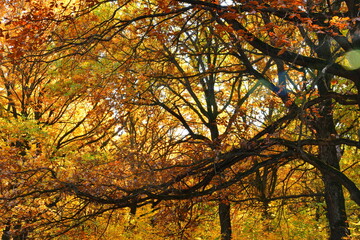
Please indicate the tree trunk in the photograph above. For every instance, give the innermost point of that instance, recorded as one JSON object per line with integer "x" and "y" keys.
{"x": 225, "y": 221}
{"x": 335, "y": 206}
{"x": 223, "y": 207}
{"x": 334, "y": 197}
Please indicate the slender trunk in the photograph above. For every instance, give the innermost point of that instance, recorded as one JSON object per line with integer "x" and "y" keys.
{"x": 334, "y": 197}
{"x": 335, "y": 206}
{"x": 223, "y": 207}
{"x": 132, "y": 218}
{"x": 225, "y": 221}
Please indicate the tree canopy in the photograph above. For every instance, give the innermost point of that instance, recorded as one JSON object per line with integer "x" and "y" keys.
{"x": 175, "y": 107}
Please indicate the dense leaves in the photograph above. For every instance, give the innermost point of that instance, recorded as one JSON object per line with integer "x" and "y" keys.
{"x": 171, "y": 108}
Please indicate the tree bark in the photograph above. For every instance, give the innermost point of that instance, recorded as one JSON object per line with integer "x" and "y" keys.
{"x": 329, "y": 154}
{"x": 335, "y": 206}
{"x": 225, "y": 221}
{"x": 334, "y": 197}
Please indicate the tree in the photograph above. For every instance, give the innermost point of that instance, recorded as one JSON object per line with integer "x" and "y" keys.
{"x": 292, "y": 90}
{"x": 51, "y": 113}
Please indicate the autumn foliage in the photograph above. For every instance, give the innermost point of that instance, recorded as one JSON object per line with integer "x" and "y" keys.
{"x": 179, "y": 119}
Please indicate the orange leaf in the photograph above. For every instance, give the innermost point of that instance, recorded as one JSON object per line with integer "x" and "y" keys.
{"x": 282, "y": 51}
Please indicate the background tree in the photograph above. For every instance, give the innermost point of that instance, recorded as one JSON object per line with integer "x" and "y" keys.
{"x": 52, "y": 113}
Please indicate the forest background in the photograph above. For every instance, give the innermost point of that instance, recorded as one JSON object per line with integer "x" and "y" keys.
{"x": 179, "y": 119}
